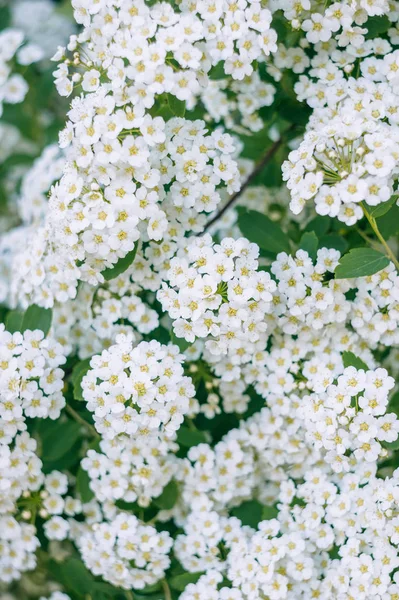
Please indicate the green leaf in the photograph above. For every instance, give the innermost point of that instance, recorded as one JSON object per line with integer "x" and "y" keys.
{"x": 269, "y": 512}
{"x": 180, "y": 582}
{"x": 391, "y": 445}
{"x": 168, "y": 498}
{"x": 319, "y": 225}
{"x": 59, "y": 438}
{"x": 376, "y": 26}
{"x": 78, "y": 372}
{"x": 178, "y": 107}
{"x": 360, "y": 262}
{"x": 250, "y": 513}
{"x": 83, "y": 486}
{"x": 76, "y": 577}
{"x": 351, "y": 360}
{"x": 121, "y": 266}
{"x": 333, "y": 240}
{"x": 381, "y": 209}
{"x": 260, "y": 229}
{"x": 14, "y": 321}
{"x": 388, "y": 224}
{"x": 309, "y": 242}
{"x": 182, "y": 343}
{"x": 293, "y": 111}
{"x": 393, "y": 405}
{"x": 217, "y": 72}
{"x": 37, "y": 317}
{"x": 190, "y": 437}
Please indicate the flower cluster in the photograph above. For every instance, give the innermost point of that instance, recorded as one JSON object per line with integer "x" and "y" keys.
{"x": 133, "y": 389}
{"x": 13, "y": 87}
{"x": 221, "y": 296}
{"x": 125, "y": 552}
{"x": 138, "y": 397}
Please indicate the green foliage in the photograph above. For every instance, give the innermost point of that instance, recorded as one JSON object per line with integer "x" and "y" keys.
{"x": 14, "y": 321}
{"x": 37, "y": 317}
{"x": 122, "y": 265}
{"x": 190, "y": 437}
{"x": 78, "y": 372}
{"x": 177, "y": 107}
{"x": 250, "y": 513}
{"x": 258, "y": 228}
{"x": 168, "y": 498}
{"x": 388, "y": 224}
{"x": 383, "y": 208}
{"x": 360, "y": 262}
{"x": 351, "y": 360}
{"x": 309, "y": 242}
{"x": 57, "y": 438}
{"x": 180, "y": 582}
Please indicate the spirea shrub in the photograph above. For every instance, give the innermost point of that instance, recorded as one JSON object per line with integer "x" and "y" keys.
{"x": 199, "y": 300}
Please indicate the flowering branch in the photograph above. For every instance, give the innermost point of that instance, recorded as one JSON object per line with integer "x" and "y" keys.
{"x": 258, "y": 169}
{"x": 374, "y": 227}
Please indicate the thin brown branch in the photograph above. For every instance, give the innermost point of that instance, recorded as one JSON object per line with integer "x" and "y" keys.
{"x": 258, "y": 169}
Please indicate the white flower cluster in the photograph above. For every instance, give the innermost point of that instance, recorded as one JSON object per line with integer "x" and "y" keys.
{"x": 138, "y": 397}
{"x": 340, "y": 165}
{"x": 13, "y": 87}
{"x": 220, "y": 296}
{"x": 125, "y": 552}
{"x": 348, "y": 419}
{"x": 331, "y": 539}
{"x": 96, "y": 317}
{"x": 123, "y": 161}
{"x": 348, "y": 155}
{"x": 17, "y": 547}
{"x": 224, "y": 99}
{"x": 42, "y": 24}
{"x": 129, "y": 389}
{"x": 31, "y": 380}
{"x": 35, "y": 185}
{"x": 343, "y": 20}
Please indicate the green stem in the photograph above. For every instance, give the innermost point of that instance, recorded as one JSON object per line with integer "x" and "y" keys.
{"x": 82, "y": 421}
{"x": 129, "y": 595}
{"x": 374, "y": 227}
{"x": 166, "y": 590}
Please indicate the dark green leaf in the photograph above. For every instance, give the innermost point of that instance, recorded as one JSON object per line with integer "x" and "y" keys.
{"x": 250, "y": 513}
{"x": 381, "y": 209}
{"x": 190, "y": 437}
{"x": 37, "y": 317}
{"x": 333, "y": 240}
{"x": 78, "y": 372}
{"x": 178, "y": 107}
{"x": 351, "y": 360}
{"x": 180, "y": 342}
{"x": 269, "y": 512}
{"x": 393, "y": 405}
{"x": 122, "y": 265}
{"x": 360, "y": 262}
{"x": 293, "y": 111}
{"x": 83, "y": 486}
{"x": 391, "y": 445}
{"x": 59, "y": 439}
{"x": 319, "y": 225}
{"x": 168, "y": 498}
{"x": 260, "y": 229}
{"x": 309, "y": 242}
{"x": 388, "y": 224}
{"x": 76, "y": 577}
{"x": 217, "y": 72}
{"x": 180, "y": 582}
{"x": 14, "y": 321}
{"x": 376, "y": 26}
